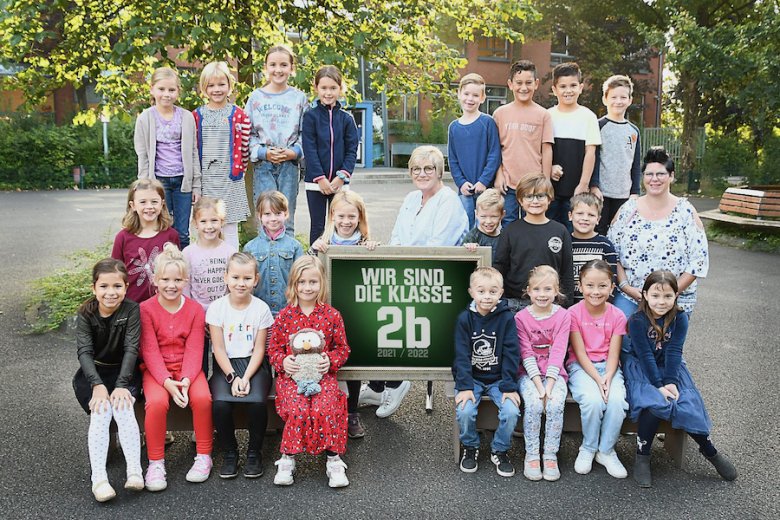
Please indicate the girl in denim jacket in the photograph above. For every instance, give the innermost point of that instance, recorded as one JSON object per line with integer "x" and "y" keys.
{"x": 274, "y": 249}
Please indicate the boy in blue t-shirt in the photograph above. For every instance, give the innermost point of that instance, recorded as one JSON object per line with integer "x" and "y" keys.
{"x": 473, "y": 147}
{"x": 487, "y": 357}
{"x": 577, "y": 136}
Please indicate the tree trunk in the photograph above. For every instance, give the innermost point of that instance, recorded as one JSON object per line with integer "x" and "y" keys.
{"x": 691, "y": 101}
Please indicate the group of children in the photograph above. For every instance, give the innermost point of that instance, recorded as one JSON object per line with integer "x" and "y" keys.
{"x": 159, "y": 310}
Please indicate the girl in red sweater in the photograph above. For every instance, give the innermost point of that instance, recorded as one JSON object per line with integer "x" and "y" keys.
{"x": 317, "y": 423}
{"x": 172, "y": 329}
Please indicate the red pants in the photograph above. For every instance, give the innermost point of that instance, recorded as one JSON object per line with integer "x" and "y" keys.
{"x": 158, "y": 401}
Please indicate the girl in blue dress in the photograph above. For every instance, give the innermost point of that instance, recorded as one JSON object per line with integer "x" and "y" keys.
{"x": 659, "y": 385}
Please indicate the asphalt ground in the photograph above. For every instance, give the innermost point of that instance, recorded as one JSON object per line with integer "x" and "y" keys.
{"x": 403, "y": 467}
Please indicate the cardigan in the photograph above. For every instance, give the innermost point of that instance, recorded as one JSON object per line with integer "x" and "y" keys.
{"x": 145, "y": 143}
{"x": 172, "y": 342}
{"x": 239, "y": 140}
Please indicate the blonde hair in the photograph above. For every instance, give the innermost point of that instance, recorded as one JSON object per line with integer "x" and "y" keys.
{"x": 275, "y": 200}
{"x": 534, "y": 183}
{"x": 170, "y": 256}
{"x": 427, "y": 152}
{"x": 131, "y": 221}
{"x": 472, "y": 79}
{"x": 241, "y": 258}
{"x": 162, "y": 73}
{"x": 490, "y": 198}
{"x": 588, "y": 199}
{"x": 218, "y": 205}
{"x": 353, "y": 199}
{"x": 296, "y": 272}
{"x": 486, "y": 273}
{"x": 618, "y": 80}
{"x": 214, "y": 69}
{"x": 539, "y": 274}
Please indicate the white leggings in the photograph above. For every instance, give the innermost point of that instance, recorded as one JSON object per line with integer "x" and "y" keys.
{"x": 98, "y": 439}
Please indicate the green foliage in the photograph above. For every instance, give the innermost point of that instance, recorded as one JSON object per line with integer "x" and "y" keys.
{"x": 769, "y": 173}
{"x": 36, "y": 154}
{"x": 406, "y": 131}
{"x": 438, "y": 130}
{"x": 739, "y": 236}
{"x": 57, "y": 297}
{"x": 115, "y": 46}
{"x": 726, "y": 156}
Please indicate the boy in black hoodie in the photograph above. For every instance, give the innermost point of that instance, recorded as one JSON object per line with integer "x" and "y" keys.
{"x": 486, "y": 361}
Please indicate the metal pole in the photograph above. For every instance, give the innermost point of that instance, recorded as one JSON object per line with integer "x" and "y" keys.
{"x": 105, "y": 120}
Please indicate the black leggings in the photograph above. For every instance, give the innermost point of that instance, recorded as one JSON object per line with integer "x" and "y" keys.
{"x": 257, "y": 420}
{"x": 648, "y": 426}
{"x": 353, "y": 387}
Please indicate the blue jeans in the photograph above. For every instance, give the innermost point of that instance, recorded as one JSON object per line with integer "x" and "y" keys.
{"x": 469, "y": 204}
{"x": 511, "y": 207}
{"x": 282, "y": 177}
{"x": 508, "y": 413}
{"x": 628, "y": 308}
{"x": 179, "y": 206}
{"x": 601, "y": 422}
{"x": 559, "y": 211}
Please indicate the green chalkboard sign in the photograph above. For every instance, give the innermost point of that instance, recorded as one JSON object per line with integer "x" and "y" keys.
{"x": 400, "y": 305}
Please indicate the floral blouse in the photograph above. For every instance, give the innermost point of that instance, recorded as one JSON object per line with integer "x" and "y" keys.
{"x": 676, "y": 243}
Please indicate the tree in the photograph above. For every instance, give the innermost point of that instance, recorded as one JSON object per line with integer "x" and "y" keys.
{"x": 115, "y": 45}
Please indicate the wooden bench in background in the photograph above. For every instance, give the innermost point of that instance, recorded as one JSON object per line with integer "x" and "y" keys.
{"x": 759, "y": 202}
{"x": 487, "y": 419}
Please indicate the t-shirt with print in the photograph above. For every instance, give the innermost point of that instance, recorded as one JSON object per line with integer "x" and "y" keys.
{"x": 138, "y": 255}
{"x": 239, "y": 326}
{"x": 573, "y": 132}
{"x": 522, "y": 131}
{"x": 596, "y": 332}
{"x": 207, "y": 272}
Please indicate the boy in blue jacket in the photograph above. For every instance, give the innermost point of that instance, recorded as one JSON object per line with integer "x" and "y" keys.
{"x": 487, "y": 356}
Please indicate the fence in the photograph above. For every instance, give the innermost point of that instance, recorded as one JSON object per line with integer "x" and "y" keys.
{"x": 669, "y": 138}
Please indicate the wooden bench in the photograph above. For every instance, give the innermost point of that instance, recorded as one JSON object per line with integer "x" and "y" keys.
{"x": 760, "y": 202}
{"x": 408, "y": 148}
{"x": 487, "y": 419}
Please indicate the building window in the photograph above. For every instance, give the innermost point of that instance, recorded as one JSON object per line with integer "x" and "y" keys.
{"x": 495, "y": 97}
{"x": 491, "y": 48}
{"x": 404, "y": 107}
{"x": 559, "y": 48}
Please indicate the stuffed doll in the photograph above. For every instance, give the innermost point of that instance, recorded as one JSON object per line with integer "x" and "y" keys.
{"x": 307, "y": 345}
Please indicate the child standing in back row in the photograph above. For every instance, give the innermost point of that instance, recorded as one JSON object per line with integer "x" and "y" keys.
{"x": 618, "y": 159}
{"x": 168, "y": 150}
{"x": 577, "y": 136}
{"x": 223, "y": 147}
{"x": 330, "y": 141}
{"x": 474, "y": 151}
{"x": 526, "y": 134}
{"x": 275, "y": 112}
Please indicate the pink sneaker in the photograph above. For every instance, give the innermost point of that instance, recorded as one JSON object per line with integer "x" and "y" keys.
{"x": 201, "y": 469}
{"x": 155, "y": 476}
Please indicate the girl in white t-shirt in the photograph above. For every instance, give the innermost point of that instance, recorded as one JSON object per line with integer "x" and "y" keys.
{"x": 239, "y": 324}
{"x": 207, "y": 259}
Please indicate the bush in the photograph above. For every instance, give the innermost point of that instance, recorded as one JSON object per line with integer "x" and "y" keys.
{"x": 726, "y": 156}
{"x": 35, "y": 154}
{"x": 769, "y": 173}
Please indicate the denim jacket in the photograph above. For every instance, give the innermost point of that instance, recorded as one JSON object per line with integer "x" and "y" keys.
{"x": 274, "y": 260}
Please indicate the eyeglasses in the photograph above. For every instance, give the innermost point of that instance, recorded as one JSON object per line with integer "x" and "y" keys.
{"x": 530, "y": 197}
{"x": 428, "y": 170}
{"x": 657, "y": 175}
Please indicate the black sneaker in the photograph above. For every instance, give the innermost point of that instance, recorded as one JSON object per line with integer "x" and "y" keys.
{"x": 229, "y": 467}
{"x": 503, "y": 465}
{"x": 254, "y": 465}
{"x": 468, "y": 462}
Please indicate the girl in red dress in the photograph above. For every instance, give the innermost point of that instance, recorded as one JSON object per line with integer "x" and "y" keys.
{"x": 317, "y": 423}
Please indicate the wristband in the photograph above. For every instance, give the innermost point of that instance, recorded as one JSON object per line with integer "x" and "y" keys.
{"x": 343, "y": 176}
{"x": 230, "y": 377}
{"x": 622, "y": 284}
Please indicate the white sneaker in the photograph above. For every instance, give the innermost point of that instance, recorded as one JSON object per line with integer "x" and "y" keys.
{"x": 612, "y": 463}
{"x": 285, "y": 467}
{"x": 201, "y": 469}
{"x": 368, "y": 397}
{"x": 335, "y": 469}
{"x": 584, "y": 462}
{"x": 392, "y": 398}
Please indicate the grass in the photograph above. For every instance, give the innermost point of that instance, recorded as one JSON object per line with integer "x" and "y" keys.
{"x": 57, "y": 297}
{"x": 737, "y": 236}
